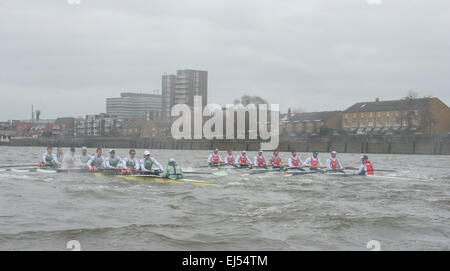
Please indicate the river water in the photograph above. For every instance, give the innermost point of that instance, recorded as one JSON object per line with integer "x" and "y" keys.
{"x": 41, "y": 211}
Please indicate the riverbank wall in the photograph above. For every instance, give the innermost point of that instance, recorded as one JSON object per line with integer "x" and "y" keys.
{"x": 417, "y": 144}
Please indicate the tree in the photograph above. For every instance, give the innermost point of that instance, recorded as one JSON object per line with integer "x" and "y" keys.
{"x": 411, "y": 95}
{"x": 297, "y": 109}
{"x": 246, "y": 100}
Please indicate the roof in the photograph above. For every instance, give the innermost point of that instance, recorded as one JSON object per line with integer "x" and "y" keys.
{"x": 312, "y": 116}
{"x": 138, "y": 95}
{"x": 396, "y": 105}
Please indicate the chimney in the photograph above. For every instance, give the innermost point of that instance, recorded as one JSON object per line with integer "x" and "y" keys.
{"x": 377, "y": 99}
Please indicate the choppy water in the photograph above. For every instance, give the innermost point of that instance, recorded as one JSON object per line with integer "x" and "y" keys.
{"x": 262, "y": 212}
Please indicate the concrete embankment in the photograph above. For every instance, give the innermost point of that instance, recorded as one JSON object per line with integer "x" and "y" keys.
{"x": 423, "y": 144}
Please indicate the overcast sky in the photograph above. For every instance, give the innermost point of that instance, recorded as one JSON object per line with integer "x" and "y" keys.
{"x": 316, "y": 55}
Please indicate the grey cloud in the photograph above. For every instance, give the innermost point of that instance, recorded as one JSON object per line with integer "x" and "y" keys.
{"x": 317, "y": 55}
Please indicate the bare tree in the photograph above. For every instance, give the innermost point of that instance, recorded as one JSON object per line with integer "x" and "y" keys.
{"x": 411, "y": 95}
{"x": 297, "y": 110}
{"x": 246, "y": 100}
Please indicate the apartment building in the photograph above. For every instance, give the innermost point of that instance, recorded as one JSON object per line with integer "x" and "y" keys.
{"x": 98, "y": 125}
{"x": 427, "y": 115}
{"x": 311, "y": 122}
{"x": 168, "y": 84}
{"x": 135, "y": 105}
{"x": 181, "y": 89}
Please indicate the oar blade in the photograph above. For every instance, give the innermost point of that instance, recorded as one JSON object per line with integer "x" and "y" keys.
{"x": 221, "y": 173}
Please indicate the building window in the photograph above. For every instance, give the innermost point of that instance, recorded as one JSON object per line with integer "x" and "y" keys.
{"x": 405, "y": 113}
{"x": 397, "y": 123}
{"x": 379, "y": 124}
{"x": 362, "y": 124}
{"x": 388, "y": 114}
{"x": 345, "y": 124}
{"x": 397, "y": 114}
{"x": 346, "y": 115}
{"x": 370, "y": 114}
{"x": 354, "y": 115}
{"x": 405, "y": 123}
{"x": 388, "y": 123}
{"x": 370, "y": 124}
{"x": 379, "y": 114}
{"x": 416, "y": 122}
{"x": 354, "y": 124}
{"x": 362, "y": 115}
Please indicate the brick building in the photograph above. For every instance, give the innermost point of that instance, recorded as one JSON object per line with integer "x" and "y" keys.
{"x": 311, "y": 122}
{"x": 426, "y": 115}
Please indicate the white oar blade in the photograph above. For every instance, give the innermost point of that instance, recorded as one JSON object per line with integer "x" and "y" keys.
{"x": 221, "y": 173}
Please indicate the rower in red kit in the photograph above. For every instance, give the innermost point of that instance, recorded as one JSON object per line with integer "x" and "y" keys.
{"x": 214, "y": 159}
{"x": 260, "y": 160}
{"x": 275, "y": 160}
{"x": 313, "y": 162}
{"x": 243, "y": 160}
{"x": 295, "y": 162}
{"x": 366, "y": 167}
{"x": 229, "y": 158}
{"x": 334, "y": 163}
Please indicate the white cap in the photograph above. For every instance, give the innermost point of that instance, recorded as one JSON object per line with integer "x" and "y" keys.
{"x": 244, "y": 151}
{"x": 111, "y": 150}
{"x": 333, "y": 152}
{"x": 84, "y": 148}
{"x": 146, "y": 153}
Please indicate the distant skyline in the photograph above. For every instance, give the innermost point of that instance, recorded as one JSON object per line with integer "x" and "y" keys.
{"x": 315, "y": 55}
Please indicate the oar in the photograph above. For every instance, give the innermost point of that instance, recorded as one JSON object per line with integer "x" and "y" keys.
{"x": 218, "y": 166}
{"x": 221, "y": 173}
{"x": 260, "y": 171}
{"x": 19, "y": 166}
{"x": 295, "y": 168}
{"x": 381, "y": 170}
{"x": 300, "y": 173}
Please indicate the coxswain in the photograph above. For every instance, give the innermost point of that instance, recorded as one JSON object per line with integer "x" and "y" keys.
{"x": 214, "y": 159}
{"x": 113, "y": 161}
{"x": 275, "y": 160}
{"x": 313, "y": 162}
{"x": 97, "y": 161}
{"x": 172, "y": 171}
{"x": 334, "y": 163}
{"x": 243, "y": 160}
{"x": 49, "y": 159}
{"x": 70, "y": 160}
{"x": 147, "y": 163}
{"x": 366, "y": 167}
{"x": 229, "y": 158}
{"x": 260, "y": 160}
{"x": 131, "y": 163}
{"x": 84, "y": 158}
{"x": 294, "y": 161}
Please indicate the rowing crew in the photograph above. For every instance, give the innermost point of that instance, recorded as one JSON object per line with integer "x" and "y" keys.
{"x": 128, "y": 165}
{"x": 313, "y": 163}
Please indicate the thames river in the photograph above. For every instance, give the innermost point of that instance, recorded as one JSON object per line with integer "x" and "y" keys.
{"x": 411, "y": 211}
